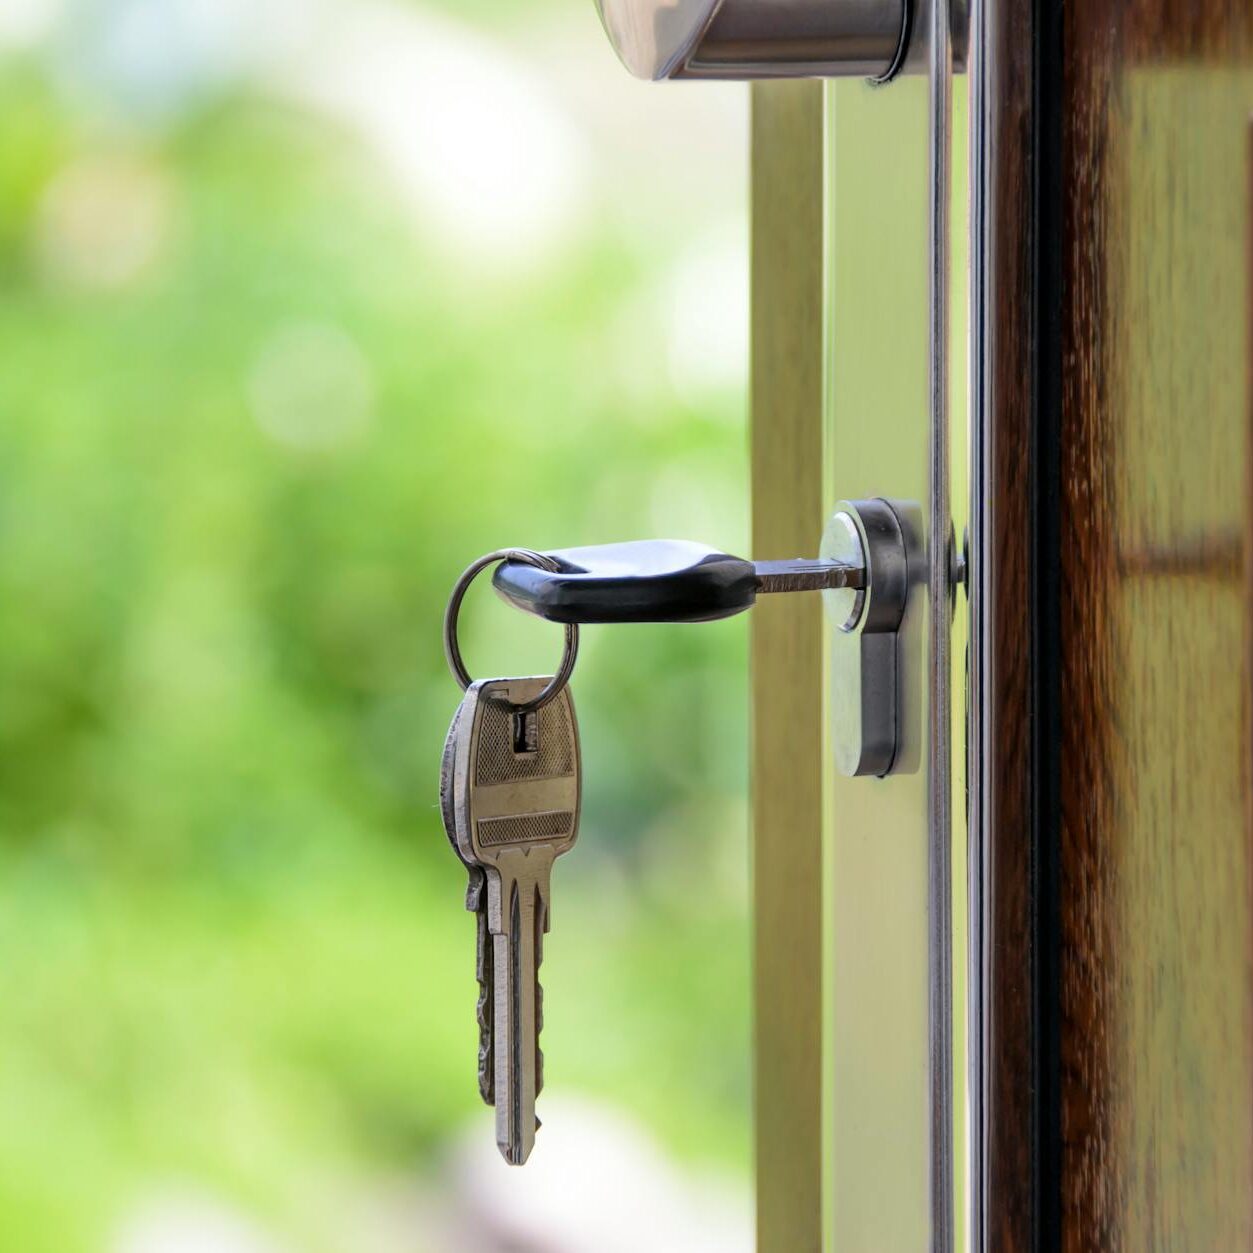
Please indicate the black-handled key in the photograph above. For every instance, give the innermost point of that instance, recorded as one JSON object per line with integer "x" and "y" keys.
{"x": 661, "y": 580}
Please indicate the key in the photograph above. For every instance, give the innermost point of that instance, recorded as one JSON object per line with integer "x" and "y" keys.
{"x": 515, "y": 782}
{"x": 476, "y": 903}
{"x": 661, "y": 580}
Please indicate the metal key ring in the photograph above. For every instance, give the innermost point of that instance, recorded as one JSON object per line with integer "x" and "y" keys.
{"x": 452, "y": 650}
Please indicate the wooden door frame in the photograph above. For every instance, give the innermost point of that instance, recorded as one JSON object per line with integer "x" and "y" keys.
{"x": 1014, "y": 365}
{"x": 1049, "y": 131}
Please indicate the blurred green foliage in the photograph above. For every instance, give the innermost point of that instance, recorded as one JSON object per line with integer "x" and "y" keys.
{"x": 232, "y": 947}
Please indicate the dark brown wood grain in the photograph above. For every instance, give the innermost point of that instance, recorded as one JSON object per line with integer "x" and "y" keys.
{"x": 1156, "y": 1059}
{"x": 1114, "y": 665}
{"x": 1002, "y": 861}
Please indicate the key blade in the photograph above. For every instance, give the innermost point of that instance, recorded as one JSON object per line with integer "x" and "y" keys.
{"x": 802, "y": 575}
{"x": 523, "y": 888}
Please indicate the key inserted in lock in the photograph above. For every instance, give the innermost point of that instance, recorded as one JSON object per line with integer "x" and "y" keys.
{"x": 865, "y": 572}
{"x": 660, "y": 580}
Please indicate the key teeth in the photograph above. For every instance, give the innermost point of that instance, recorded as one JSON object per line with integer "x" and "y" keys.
{"x": 541, "y": 925}
{"x": 487, "y": 1063}
{"x": 539, "y": 1052}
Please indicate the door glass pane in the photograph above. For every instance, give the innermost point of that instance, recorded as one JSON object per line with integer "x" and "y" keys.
{"x": 877, "y": 1093}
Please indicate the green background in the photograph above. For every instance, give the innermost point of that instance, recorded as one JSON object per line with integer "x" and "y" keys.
{"x": 256, "y": 413}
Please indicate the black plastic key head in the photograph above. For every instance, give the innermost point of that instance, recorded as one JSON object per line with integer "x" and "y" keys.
{"x": 661, "y": 580}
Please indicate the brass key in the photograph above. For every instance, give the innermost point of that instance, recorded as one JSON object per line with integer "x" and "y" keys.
{"x": 512, "y": 795}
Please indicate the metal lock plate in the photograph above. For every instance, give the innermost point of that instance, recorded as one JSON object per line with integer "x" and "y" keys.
{"x": 868, "y": 669}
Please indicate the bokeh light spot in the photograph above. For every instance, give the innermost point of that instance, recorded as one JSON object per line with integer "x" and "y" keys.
{"x": 103, "y": 222}
{"x": 311, "y": 387}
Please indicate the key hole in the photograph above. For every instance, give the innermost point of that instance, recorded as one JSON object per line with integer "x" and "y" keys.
{"x": 526, "y": 732}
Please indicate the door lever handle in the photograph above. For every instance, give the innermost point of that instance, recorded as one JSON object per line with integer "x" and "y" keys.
{"x": 659, "y": 581}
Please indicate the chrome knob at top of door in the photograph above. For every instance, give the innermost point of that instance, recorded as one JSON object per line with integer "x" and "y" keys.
{"x": 741, "y": 39}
